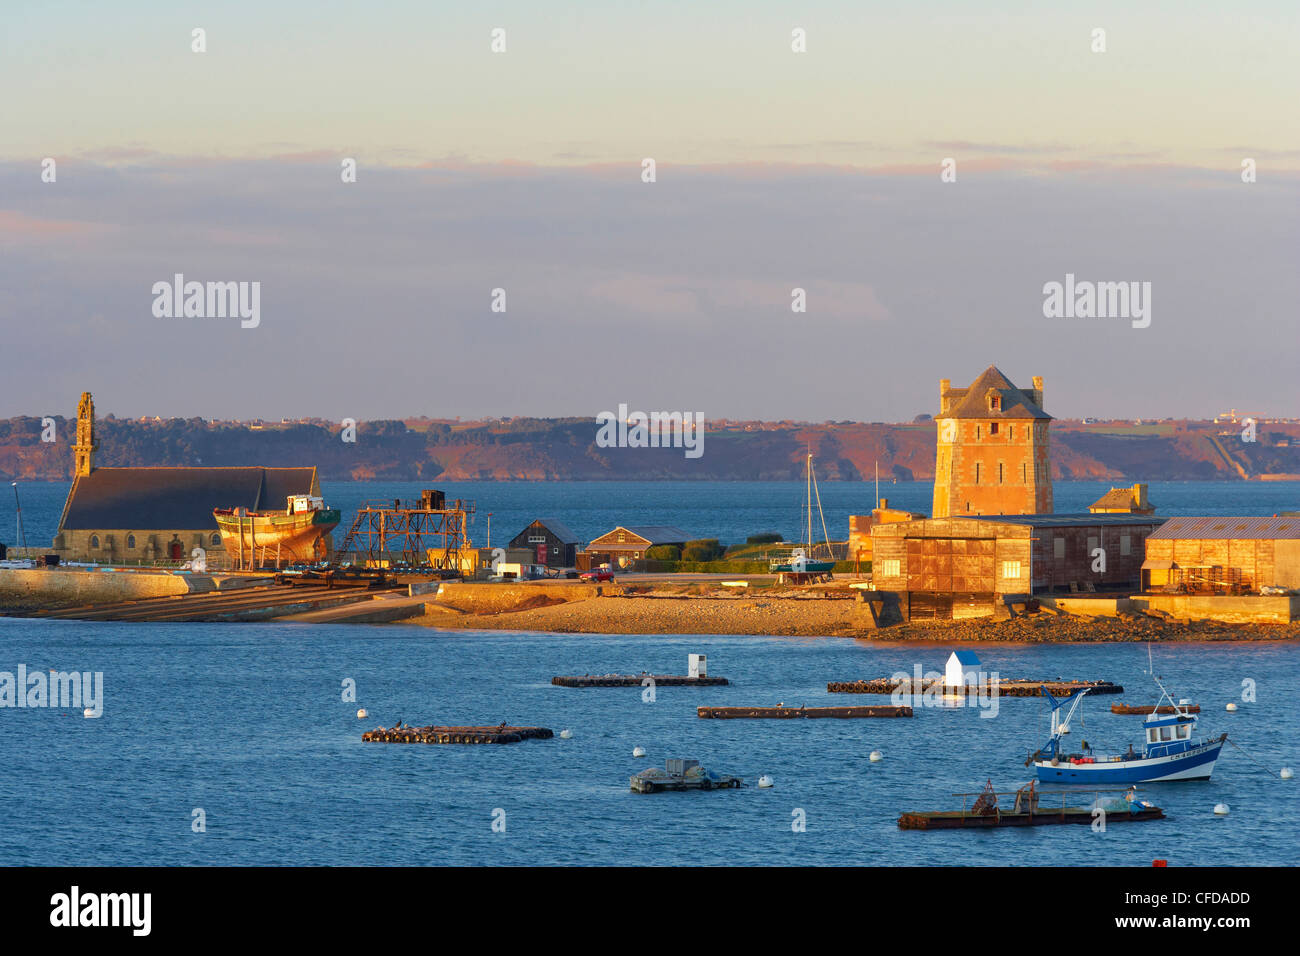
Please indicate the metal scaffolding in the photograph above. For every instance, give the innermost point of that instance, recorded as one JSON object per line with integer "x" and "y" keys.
{"x": 420, "y": 533}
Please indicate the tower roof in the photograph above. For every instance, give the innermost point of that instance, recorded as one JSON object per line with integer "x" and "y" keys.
{"x": 972, "y": 402}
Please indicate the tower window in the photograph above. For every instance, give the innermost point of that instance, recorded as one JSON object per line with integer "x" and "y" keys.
{"x": 1000, "y": 479}
{"x": 993, "y": 428}
{"x": 977, "y": 472}
{"x": 978, "y": 432}
{"x": 995, "y": 403}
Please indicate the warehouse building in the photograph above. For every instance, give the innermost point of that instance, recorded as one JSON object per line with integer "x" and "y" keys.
{"x": 1223, "y": 555}
{"x": 963, "y": 567}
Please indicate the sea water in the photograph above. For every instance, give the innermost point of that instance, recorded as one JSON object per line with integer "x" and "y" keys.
{"x": 246, "y": 729}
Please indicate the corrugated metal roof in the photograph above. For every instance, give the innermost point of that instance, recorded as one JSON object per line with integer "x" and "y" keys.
{"x": 1228, "y": 527}
{"x": 1072, "y": 520}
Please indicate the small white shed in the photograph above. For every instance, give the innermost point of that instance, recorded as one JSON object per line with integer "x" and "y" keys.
{"x": 963, "y": 668}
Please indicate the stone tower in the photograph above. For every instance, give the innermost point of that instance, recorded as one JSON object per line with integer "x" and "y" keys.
{"x": 993, "y": 456}
{"x": 85, "y": 447}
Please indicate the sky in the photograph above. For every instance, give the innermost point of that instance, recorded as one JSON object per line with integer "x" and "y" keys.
{"x": 522, "y": 170}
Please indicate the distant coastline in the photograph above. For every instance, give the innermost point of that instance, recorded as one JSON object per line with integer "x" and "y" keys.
{"x": 565, "y": 449}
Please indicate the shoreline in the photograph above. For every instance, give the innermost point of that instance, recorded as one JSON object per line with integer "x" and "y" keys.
{"x": 802, "y": 616}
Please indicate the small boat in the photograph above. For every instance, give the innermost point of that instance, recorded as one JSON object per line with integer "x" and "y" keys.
{"x": 256, "y": 538}
{"x": 680, "y": 774}
{"x": 1169, "y": 752}
{"x": 804, "y": 560}
{"x": 1122, "y": 708}
{"x": 1034, "y": 808}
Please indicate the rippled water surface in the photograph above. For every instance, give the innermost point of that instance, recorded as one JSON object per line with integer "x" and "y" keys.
{"x": 247, "y": 722}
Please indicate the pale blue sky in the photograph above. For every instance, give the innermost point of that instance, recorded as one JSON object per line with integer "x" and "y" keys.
{"x": 521, "y": 170}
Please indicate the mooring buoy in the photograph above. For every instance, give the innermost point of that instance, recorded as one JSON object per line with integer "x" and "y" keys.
{"x": 765, "y": 781}
{"x": 1220, "y": 809}
{"x": 638, "y": 751}
{"x": 876, "y": 756}
{"x": 566, "y": 734}
{"x": 361, "y": 714}
{"x": 1231, "y": 707}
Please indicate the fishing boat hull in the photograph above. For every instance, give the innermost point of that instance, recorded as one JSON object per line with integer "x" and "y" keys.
{"x": 276, "y": 536}
{"x": 1195, "y": 763}
{"x": 807, "y": 567}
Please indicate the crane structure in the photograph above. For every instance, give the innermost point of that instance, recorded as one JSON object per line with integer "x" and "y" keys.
{"x": 415, "y": 533}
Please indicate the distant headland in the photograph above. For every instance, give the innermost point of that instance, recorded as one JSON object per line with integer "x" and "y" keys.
{"x": 560, "y": 449}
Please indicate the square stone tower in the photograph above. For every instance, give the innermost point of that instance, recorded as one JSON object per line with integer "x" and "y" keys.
{"x": 993, "y": 455}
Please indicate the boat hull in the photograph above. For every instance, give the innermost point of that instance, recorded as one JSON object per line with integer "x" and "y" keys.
{"x": 1194, "y": 764}
{"x": 266, "y": 538}
{"x": 809, "y": 567}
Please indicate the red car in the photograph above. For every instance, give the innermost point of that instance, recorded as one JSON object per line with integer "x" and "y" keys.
{"x": 604, "y": 574}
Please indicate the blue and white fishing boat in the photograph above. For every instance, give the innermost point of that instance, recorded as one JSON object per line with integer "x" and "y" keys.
{"x": 1170, "y": 750}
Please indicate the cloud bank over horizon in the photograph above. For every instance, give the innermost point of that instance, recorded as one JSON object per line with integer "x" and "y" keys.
{"x": 376, "y": 295}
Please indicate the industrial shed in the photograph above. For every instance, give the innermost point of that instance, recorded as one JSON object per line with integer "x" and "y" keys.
{"x": 1223, "y": 555}
{"x": 961, "y": 567}
{"x": 550, "y": 541}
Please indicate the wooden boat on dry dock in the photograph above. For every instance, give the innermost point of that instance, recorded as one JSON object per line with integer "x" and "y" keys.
{"x": 680, "y": 774}
{"x": 782, "y": 712}
{"x": 1031, "y": 807}
{"x": 500, "y": 734}
{"x": 638, "y": 680}
{"x": 1004, "y": 688}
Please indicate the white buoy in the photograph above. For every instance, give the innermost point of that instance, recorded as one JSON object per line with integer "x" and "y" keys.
{"x": 361, "y": 714}
{"x": 876, "y": 756}
{"x": 1286, "y": 773}
{"x": 1232, "y": 707}
{"x": 566, "y": 734}
{"x": 765, "y": 781}
{"x": 638, "y": 751}
{"x": 1220, "y": 809}
{"x": 89, "y": 713}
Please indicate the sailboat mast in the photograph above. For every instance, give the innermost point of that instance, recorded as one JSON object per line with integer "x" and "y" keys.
{"x": 808, "y": 478}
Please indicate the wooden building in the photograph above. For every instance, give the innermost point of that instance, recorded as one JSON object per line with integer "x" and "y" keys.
{"x": 624, "y": 546}
{"x": 1223, "y": 555}
{"x": 860, "y": 526}
{"x": 550, "y": 541}
{"x": 961, "y": 567}
{"x": 992, "y": 453}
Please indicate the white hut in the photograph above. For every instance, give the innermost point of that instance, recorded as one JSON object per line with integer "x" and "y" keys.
{"x": 963, "y": 667}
